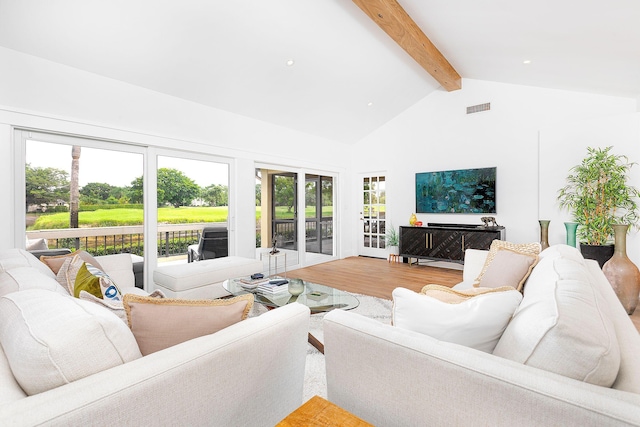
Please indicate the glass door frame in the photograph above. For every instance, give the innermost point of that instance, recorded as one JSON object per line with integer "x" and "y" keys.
{"x": 373, "y": 214}
{"x": 305, "y": 258}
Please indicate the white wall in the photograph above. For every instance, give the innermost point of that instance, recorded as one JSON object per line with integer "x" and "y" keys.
{"x": 40, "y": 94}
{"x": 437, "y": 134}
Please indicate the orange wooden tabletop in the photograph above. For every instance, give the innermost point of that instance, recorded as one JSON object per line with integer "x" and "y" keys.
{"x": 318, "y": 412}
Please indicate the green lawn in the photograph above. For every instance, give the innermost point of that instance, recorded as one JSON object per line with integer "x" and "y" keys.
{"x": 182, "y": 215}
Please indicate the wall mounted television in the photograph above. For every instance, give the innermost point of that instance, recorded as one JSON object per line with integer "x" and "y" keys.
{"x": 470, "y": 191}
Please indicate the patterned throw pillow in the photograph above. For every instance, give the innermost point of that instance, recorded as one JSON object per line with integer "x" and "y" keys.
{"x": 161, "y": 323}
{"x": 116, "y": 307}
{"x": 77, "y": 275}
{"x": 524, "y": 248}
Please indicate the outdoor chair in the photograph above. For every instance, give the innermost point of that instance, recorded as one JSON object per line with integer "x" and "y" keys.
{"x": 213, "y": 244}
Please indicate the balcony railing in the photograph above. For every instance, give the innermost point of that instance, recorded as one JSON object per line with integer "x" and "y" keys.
{"x": 173, "y": 239}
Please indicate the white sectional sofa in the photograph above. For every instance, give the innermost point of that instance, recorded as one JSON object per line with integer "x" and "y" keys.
{"x": 395, "y": 377}
{"x": 250, "y": 373}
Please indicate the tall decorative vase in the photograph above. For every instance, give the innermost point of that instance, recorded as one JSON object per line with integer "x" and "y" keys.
{"x": 413, "y": 219}
{"x": 544, "y": 233}
{"x": 571, "y": 233}
{"x": 623, "y": 274}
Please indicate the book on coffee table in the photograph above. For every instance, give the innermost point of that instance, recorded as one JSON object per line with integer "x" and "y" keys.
{"x": 273, "y": 288}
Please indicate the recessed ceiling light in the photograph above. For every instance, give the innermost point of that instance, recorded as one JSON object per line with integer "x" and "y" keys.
{"x": 290, "y": 62}
{"x": 369, "y": 104}
{"x": 526, "y": 61}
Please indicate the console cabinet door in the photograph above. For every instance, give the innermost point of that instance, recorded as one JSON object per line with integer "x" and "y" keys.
{"x": 414, "y": 241}
{"x": 446, "y": 244}
{"x": 480, "y": 239}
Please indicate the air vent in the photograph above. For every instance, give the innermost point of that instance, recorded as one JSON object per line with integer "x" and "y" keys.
{"x": 478, "y": 108}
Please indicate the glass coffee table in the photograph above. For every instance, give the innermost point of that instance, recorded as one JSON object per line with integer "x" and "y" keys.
{"x": 319, "y": 298}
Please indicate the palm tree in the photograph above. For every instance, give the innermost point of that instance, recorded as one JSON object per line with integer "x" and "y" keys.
{"x": 74, "y": 190}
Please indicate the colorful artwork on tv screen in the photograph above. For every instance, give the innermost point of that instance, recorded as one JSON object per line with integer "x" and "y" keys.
{"x": 456, "y": 191}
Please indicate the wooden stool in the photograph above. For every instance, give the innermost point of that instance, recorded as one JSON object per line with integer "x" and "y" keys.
{"x": 394, "y": 258}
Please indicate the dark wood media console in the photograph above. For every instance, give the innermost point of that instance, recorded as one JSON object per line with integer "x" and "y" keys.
{"x": 446, "y": 242}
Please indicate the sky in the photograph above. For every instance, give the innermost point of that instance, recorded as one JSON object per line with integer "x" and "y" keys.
{"x": 119, "y": 168}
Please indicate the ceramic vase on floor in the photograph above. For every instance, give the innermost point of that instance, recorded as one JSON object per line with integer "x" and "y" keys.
{"x": 623, "y": 274}
{"x": 544, "y": 233}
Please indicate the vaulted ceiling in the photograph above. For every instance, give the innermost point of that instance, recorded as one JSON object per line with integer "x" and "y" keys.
{"x": 348, "y": 76}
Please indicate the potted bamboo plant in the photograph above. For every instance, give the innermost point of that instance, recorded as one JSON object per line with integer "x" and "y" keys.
{"x": 598, "y": 196}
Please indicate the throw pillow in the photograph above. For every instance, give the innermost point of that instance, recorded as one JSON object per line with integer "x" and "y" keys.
{"x": 67, "y": 273}
{"x": 474, "y": 318}
{"x": 508, "y": 268}
{"x": 36, "y": 245}
{"x": 77, "y": 275}
{"x": 85, "y": 281}
{"x": 525, "y": 248}
{"x": 55, "y": 262}
{"x": 161, "y": 323}
{"x": 114, "y": 306}
{"x": 52, "y": 339}
{"x": 108, "y": 289}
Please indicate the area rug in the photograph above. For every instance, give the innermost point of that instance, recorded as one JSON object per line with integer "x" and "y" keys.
{"x": 315, "y": 382}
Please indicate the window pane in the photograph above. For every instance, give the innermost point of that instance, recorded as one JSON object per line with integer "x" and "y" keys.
{"x": 73, "y": 188}
{"x": 193, "y": 208}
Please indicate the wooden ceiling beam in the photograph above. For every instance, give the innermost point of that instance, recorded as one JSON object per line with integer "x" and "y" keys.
{"x": 393, "y": 19}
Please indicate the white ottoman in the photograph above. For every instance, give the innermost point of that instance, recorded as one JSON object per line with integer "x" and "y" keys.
{"x": 203, "y": 279}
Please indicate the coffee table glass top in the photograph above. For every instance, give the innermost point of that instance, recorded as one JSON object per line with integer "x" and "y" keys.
{"x": 319, "y": 298}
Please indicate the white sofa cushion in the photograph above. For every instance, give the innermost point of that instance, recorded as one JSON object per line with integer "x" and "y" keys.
{"x": 562, "y": 324}
{"x": 51, "y": 339}
{"x": 196, "y": 279}
{"x": 13, "y": 258}
{"x": 22, "y": 278}
{"x": 474, "y": 318}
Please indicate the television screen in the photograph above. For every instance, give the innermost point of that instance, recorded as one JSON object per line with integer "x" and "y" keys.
{"x": 456, "y": 191}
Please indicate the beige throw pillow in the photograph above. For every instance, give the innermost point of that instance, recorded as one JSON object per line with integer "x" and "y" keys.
{"x": 161, "y": 323}
{"x": 508, "y": 268}
{"x": 55, "y": 262}
{"x": 524, "y": 248}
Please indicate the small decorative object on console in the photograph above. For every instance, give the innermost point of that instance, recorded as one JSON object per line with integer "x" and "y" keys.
{"x": 489, "y": 221}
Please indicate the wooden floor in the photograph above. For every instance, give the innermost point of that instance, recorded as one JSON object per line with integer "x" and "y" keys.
{"x": 378, "y": 278}
{"x": 375, "y": 276}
